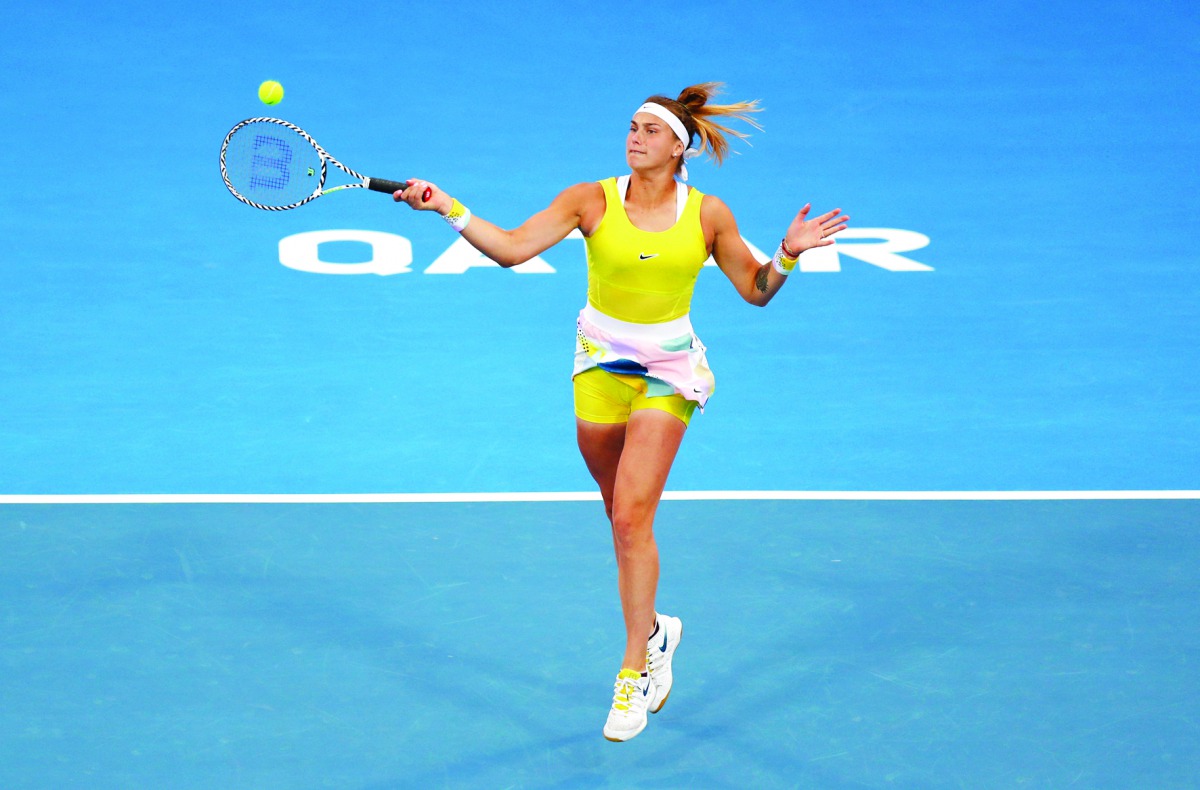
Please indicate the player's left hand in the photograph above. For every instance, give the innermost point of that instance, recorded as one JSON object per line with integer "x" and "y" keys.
{"x": 804, "y": 234}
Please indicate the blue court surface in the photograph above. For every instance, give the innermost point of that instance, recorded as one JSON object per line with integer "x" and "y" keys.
{"x": 293, "y": 500}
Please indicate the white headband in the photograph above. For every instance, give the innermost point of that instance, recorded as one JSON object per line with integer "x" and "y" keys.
{"x": 659, "y": 111}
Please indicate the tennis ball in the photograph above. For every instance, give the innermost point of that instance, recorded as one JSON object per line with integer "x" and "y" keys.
{"x": 270, "y": 92}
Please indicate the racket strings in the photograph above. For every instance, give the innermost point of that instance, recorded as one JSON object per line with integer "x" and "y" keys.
{"x": 271, "y": 165}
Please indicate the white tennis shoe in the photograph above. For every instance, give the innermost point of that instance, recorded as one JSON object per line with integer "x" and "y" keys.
{"x": 660, "y": 649}
{"x": 631, "y": 695}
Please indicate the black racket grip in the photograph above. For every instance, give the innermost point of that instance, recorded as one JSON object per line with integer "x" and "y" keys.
{"x": 390, "y": 187}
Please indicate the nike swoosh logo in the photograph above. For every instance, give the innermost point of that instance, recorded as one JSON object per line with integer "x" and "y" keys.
{"x": 664, "y": 644}
{"x": 643, "y": 256}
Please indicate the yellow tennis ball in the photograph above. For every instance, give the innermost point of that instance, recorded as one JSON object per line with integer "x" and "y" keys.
{"x": 270, "y": 92}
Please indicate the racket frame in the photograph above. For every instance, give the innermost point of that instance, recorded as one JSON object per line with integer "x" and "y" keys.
{"x": 364, "y": 182}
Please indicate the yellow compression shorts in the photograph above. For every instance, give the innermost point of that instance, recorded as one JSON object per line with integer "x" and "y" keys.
{"x": 606, "y": 397}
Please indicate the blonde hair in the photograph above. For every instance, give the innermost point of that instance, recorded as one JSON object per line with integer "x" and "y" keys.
{"x": 696, "y": 114}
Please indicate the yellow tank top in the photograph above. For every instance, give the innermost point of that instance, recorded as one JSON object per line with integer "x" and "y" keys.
{"x": 640, "y": 276}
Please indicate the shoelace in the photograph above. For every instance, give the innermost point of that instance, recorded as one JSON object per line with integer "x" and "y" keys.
{"x": 623, "y": 692}
{"x": 651, "y": 664}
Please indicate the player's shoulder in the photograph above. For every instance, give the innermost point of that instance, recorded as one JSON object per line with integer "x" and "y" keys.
{"x": 712, "y": 208}
{"x": 586, "y": 189}
{"x": 581, "y": 196}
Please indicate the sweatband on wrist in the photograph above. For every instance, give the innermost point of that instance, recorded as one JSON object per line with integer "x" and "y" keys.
{"x": 458, "y": 216}
{"x": 782, "y": 263}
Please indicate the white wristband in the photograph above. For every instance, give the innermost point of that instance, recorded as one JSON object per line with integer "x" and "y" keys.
{"x": 782, "y": 263}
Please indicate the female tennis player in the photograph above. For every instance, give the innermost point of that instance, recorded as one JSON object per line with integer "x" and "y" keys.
{"x": 640, "y": 370}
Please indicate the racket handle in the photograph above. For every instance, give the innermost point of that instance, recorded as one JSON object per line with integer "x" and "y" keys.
{"x": 390, "y": 187}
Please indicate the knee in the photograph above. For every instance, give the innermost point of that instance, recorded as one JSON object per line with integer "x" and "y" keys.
{"x": 632, "y": 532}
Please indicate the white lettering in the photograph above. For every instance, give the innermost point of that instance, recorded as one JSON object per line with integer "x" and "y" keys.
{"x": 882, "y": 253}
{"x": 887, "y": 242}
{"x": 390, "y": 254}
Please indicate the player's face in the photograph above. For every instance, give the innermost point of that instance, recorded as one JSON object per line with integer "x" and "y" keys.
{"x": 650, "y": 142}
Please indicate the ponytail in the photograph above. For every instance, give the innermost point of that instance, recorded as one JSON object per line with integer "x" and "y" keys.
{"x": 693, "y": 109}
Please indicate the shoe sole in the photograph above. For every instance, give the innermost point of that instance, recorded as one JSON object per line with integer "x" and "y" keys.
{"x": 630, "y": 737}
{"x": 664, "y": 699}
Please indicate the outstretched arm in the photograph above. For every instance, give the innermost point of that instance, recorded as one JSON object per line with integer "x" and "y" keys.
{"x": 758, "y": 283}
{"x": 569, "y": 210}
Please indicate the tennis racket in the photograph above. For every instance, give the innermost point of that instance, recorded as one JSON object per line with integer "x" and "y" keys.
{"x": 275, "y": 165}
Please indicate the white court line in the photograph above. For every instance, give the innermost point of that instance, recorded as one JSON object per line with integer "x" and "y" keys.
{"x": 583, "y": 496}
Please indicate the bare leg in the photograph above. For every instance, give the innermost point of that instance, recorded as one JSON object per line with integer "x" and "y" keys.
{"x": 630, "y": 463}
